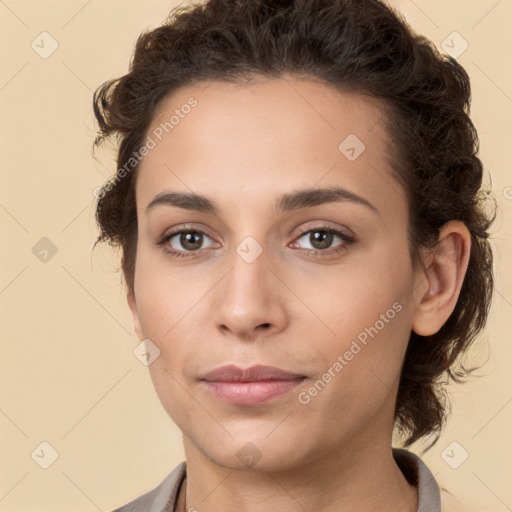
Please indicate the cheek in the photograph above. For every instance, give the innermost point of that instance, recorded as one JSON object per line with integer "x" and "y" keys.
{"x": 371, "y": 296}
{"x": 372, "y": 347}
{"x": 168, "y": 306}
{"x": 164, "y": 295}
{"x": 362, "y": 374}
{"x": 371, "y": 319}
{"x": 164, "y": 313}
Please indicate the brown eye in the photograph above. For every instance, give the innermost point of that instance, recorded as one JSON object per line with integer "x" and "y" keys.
{"x": 185, "y": 242}
{"x": 323, "y": 242}
{"x": 321, "y": 239}
{"x": 191, "y": 240}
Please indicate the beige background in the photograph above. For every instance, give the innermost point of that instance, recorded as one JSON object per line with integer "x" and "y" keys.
{"x": 68, "y": 374}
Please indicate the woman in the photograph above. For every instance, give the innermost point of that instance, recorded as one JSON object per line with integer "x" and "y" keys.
{"x": 304, "y": 245}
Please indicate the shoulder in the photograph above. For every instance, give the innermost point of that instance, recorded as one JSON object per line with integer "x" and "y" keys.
{"x": 432, "y": 497}
{"x": 162, "y": 498}
{"x": 417, "y": 473}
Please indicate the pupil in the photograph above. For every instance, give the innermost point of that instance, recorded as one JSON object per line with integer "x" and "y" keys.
{"x": 187, "y": 240}
{"x": 322, "y": 238}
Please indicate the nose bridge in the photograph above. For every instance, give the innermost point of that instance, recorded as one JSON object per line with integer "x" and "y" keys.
{"x": 248, "y": 297}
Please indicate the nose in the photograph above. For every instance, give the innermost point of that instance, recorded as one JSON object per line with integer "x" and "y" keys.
{"x": 249, "y": 301}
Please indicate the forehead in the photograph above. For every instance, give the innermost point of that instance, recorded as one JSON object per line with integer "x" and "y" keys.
{"x": 226, "y": 139}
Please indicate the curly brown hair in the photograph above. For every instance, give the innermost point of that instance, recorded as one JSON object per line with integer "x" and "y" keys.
{"x": 352, "y": 45}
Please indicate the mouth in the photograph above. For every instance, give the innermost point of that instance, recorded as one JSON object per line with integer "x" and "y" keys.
{"x": 250, "y": 386}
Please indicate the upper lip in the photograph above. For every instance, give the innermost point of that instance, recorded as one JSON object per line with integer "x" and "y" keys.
{"x": 232, "y": 373}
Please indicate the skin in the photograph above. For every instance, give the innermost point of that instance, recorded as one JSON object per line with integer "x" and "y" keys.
{"x": 243, "y": 146}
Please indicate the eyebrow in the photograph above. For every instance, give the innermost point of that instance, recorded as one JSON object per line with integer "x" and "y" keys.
{"x": 296, "y": 200}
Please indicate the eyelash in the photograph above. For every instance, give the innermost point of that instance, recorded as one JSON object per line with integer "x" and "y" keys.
{"x": 347, "y": 242}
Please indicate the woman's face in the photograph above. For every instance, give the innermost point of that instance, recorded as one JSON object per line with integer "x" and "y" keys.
{"x": 267, "y": 267}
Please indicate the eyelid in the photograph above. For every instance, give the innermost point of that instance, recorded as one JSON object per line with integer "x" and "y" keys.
{"x": 323, "y": 225}
{"x": 188, "y": 227}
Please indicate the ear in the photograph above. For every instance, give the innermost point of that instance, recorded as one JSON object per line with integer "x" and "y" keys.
{"x": 132, "y": 303}
{"x": 442, "y": 280}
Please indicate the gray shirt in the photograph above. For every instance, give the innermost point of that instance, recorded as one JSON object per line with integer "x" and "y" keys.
{"x": 163, "y": 497}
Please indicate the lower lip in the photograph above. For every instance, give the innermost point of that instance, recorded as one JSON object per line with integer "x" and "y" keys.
{"x": 252, "y": 393}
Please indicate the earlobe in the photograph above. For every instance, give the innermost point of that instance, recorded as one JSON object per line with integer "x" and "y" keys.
{"x": 444, "y": 275}
{"x": 132, "y": 303}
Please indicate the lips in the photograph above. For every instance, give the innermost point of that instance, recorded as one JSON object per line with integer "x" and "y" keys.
{"x": 232, "y": 373}
{"x": 250, "y": 386}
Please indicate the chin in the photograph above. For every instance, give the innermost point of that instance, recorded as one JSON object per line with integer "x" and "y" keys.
{"x": 255, "y": 453}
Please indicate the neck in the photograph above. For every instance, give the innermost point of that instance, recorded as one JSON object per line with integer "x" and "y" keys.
{"x": 360, "y": 477}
